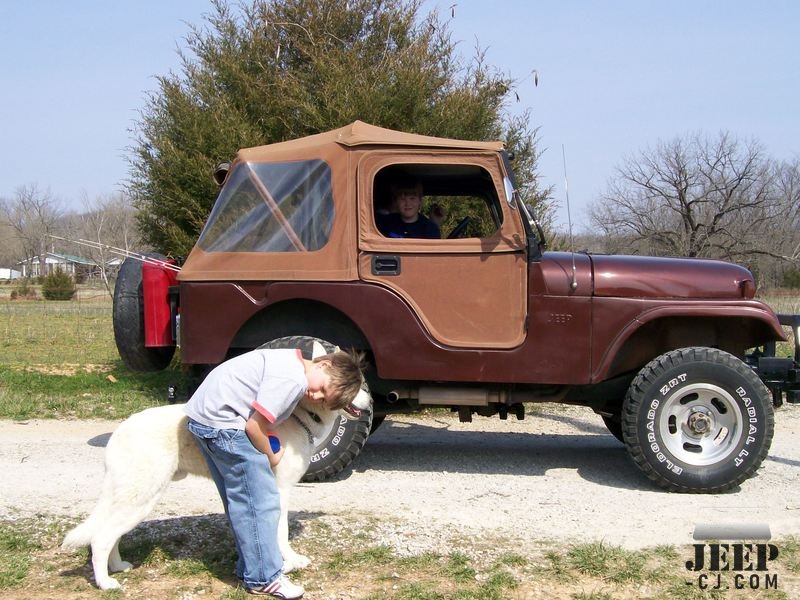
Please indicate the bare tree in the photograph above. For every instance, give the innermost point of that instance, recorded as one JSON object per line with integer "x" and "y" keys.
{"x": 9, "y": 248}
{"x": 33, "y": 216}
{"x": 788, "y": 183}
{"x": 109, "y": 221}
{"x": 719, "y": 197}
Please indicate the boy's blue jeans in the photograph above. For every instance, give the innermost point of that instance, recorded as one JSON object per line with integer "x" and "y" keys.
{"x": 250, "y": 496}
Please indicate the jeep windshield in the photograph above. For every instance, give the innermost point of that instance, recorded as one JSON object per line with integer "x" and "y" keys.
{"x": 272, "y": 207}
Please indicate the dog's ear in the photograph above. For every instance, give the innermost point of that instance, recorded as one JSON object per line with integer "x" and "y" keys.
{"x": 317, "y": 350}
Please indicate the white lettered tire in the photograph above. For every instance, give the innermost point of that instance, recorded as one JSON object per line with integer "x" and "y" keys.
{"x": 697, "y": 420}
{"x": 343, "y": 444}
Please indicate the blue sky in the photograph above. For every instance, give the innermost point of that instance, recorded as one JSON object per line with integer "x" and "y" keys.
{"x": 614, "y": 78}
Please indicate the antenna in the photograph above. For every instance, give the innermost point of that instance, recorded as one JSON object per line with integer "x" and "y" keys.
{"x": 121, "y": 252}
{"x": 574, "y": 283}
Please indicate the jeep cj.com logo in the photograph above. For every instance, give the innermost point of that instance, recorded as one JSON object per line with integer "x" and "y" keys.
{"x": 741, "y": 566}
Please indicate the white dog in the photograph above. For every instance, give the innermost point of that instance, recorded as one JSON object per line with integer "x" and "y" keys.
{"x": 153, "y": 447}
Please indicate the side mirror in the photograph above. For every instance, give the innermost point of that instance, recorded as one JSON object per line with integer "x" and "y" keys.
{"x": 221, "y": 172}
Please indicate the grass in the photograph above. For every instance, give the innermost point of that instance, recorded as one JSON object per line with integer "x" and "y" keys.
{"x": 112, "y": 392}
{"x": 56, "y": 333}
{"x": 58, "y": 359}
{"x": 15, "y": 557}
{"x": 192, "y": 557}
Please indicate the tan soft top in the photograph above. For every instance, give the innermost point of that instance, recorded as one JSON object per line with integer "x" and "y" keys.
{"x": 337, "y": 260}
{"x": 363, "y": 134}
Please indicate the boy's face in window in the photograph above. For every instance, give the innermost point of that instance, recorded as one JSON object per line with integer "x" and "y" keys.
{"x": 409, "y": 201}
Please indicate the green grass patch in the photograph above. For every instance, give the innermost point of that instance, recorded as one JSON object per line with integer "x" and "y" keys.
{"x": 593, "y": 596}
{"x": 371, "y": 557}
{"x": 557, "y": 565}
{"x": 617, "y": 565}
{"x": 459, "y": 568}
{"x": 55, "y": 333}
{"x": 59, "y": 360}
{"x": 16, "y": 550}
{"x": 28, "y": 394}
{"x": 790, "y": 554}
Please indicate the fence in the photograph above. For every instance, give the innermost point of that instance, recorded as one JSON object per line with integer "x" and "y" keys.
{"x": 77, "y": 332}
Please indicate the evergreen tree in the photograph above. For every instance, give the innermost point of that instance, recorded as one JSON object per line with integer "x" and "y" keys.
{"x": 265, "y": 71}
{"x": 59, "y": 285}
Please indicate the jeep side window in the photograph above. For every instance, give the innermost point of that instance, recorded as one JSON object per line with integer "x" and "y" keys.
{"x": 460, "y": 199}
{"x": 272, "y": 207}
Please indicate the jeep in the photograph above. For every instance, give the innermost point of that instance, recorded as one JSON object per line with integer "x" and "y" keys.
{"x": 482, "y": 321}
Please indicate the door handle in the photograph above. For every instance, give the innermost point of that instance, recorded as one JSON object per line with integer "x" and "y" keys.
{"x": 383, "y": 264}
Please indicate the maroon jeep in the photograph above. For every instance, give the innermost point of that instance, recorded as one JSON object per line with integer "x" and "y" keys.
{"x": 481, "y": 321}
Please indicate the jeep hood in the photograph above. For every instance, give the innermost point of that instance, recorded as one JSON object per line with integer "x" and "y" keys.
{"x": 686, "y": 278}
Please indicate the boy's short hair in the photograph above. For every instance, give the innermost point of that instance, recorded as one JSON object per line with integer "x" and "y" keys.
{"x": 347, "y": 377}
{"x": 406, "y": 183}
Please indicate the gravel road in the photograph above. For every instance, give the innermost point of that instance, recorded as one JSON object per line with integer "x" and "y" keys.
{"x": 556, "y": 476}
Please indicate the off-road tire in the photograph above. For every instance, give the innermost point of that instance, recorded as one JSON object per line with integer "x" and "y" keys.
{"x": 697, "y": 420}
{"x": 344, "y": 442}
{"x": 128, "y": 321}
{"x": 614, "y": 426}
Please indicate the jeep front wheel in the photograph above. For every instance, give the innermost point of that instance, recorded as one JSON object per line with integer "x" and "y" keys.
{"x": 339, "y": 448}
{"x": 697, "y": 420}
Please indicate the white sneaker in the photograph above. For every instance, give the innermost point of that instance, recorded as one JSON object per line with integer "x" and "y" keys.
{"x": 280, "y": 588}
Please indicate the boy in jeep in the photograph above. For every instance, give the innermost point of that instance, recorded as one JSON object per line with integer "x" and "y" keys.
{"x": 407, "y": 222}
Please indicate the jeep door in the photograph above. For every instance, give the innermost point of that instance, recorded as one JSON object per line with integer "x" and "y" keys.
{"x": 468, "y": 291}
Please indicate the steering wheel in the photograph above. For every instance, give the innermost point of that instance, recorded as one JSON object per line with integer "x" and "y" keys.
{"x": 459, "y": 228}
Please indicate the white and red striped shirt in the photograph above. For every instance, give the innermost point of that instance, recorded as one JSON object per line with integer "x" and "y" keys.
{"x": 271, "y": 382}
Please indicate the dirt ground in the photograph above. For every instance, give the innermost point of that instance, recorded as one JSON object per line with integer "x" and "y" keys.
{"x": 556, "y": 476}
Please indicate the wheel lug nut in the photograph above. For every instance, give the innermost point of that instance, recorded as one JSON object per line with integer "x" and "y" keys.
{"x": 699, "y": 422}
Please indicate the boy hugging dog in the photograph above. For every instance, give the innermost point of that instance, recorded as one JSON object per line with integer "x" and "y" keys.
{"x": 232, "y": 415}
{"x": 223, "y": 433}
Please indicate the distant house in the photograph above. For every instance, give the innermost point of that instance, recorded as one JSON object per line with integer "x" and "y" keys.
{"x": 9, "y": 273}
{"x": 79, "y": 267}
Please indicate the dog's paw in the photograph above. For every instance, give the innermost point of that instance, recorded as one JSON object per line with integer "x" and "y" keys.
{"x": 109, "y": 583}
{"x": 295, "y": 563}
{"x": 118, "y": 567}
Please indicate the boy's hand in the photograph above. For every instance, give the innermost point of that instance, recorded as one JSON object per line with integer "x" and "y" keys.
{"x": 257, "y": 429}
{"x": 275, "y": 458}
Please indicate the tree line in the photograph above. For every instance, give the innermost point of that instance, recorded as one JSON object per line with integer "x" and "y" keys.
{"x": 33, "y": 222}
{"x": 706, "y": 196}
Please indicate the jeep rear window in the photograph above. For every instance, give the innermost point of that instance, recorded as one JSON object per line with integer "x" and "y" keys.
{"x": 272, "y": 207}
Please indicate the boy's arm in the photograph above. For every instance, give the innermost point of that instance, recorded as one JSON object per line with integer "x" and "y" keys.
{"x": 257, "y": 429}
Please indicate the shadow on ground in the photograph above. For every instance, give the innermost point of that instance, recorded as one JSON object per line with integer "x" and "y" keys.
{"x": 204, "y": 539}
{"x": 596, "y": 455}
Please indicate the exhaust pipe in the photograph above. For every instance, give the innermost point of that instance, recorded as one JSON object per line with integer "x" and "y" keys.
{"x": 472, "y": 396}
{"x": 450, "y": 396}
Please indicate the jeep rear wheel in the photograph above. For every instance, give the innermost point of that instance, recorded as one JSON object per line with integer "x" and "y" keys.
{"x": 128, "y": 321}
{"x": 697, "y": 420}
{"x": 339, "y": 448}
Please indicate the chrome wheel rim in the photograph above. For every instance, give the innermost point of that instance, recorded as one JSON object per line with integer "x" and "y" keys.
{"x": 701, "y": 424}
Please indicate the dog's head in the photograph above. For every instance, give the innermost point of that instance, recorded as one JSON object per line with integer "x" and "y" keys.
{"x": 363, "y": 399}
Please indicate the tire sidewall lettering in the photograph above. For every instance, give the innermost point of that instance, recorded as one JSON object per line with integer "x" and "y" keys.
{"x": 344, "y": 441}
{"x": 670, "y": 383}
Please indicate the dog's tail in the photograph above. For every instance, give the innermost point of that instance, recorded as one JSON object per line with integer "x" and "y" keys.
{"x": 82, "y": 534}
